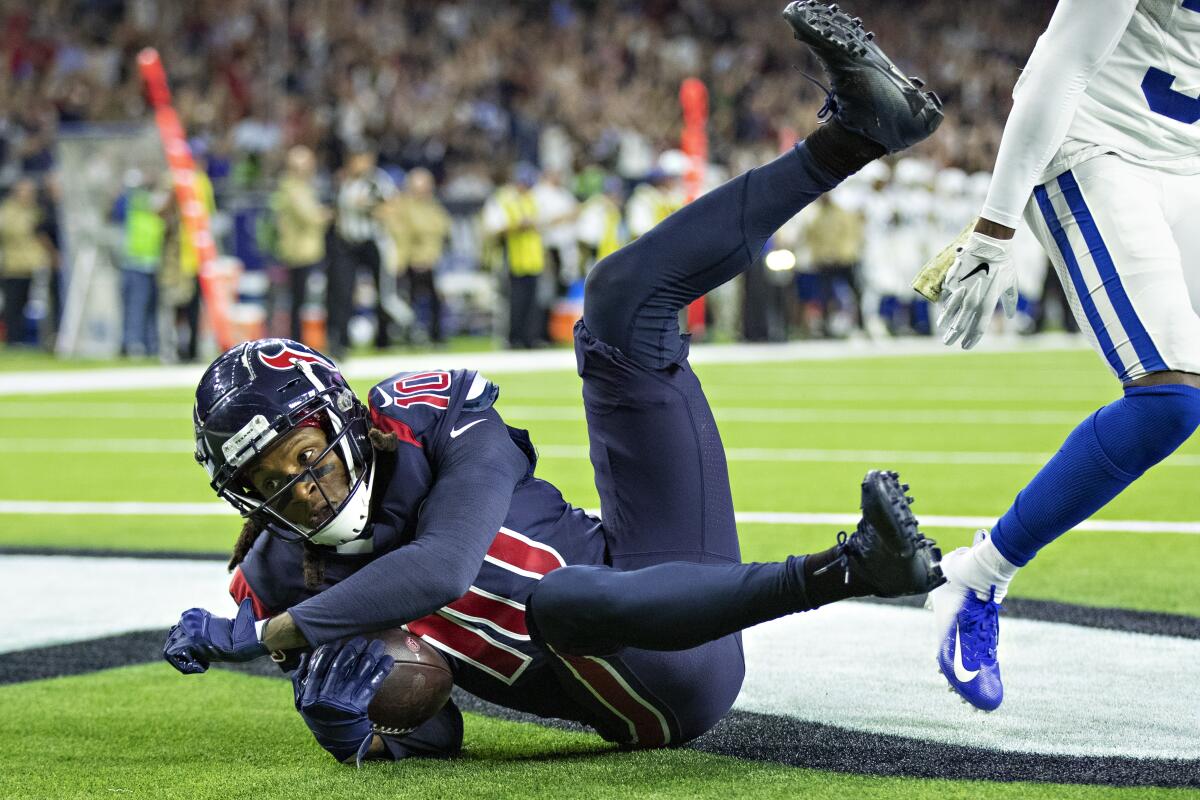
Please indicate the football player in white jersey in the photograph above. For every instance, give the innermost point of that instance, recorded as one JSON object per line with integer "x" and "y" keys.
{"x": 1101, "y": 154}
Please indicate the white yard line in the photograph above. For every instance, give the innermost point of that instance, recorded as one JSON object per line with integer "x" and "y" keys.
{"x": 828, "y": 416}
{"x": 96, "y": 380}
{"x": 759, "y": 415}
{"x": 873, "y": 457}
{"x": 218, "y": 509}
{"x": 115, "y": 508}
{"x": 181, "y": 412}
{"x": 561, "y": 451}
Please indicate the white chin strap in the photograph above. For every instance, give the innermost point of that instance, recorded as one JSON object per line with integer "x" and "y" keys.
{"x": 351, "y": 521}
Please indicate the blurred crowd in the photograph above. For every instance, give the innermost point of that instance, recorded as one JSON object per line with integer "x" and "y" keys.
{"x": 468, "y": 105}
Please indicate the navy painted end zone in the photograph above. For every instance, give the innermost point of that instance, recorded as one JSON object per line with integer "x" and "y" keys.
{"x": 754, "y": 737}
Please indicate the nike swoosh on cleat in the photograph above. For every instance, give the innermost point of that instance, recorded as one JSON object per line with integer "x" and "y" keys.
{"x": 456, "y": 432}
{"x": 986, "y": 271}
{"x": 961, "y": 673}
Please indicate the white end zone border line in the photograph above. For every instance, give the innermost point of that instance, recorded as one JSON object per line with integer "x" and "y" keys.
{"x": 140, "y": 509}
{"x": 98, "y": 380}
{"x": 575, "y": 452}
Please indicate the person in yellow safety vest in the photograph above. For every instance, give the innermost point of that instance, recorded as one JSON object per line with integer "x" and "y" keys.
{"x": 141, "y": 209}
{"x": 652, "y": 201}
{"x": 601, "y": 227}
{"x": 511, "y": 214}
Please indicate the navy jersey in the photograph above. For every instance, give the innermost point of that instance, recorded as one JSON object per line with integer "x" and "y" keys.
{"x": 483, "y": 634}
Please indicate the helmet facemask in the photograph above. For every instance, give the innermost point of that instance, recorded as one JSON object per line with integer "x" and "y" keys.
{"x": 335, "y": 412}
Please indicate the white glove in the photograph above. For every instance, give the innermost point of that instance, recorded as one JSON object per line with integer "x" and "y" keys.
{"x": 982, "y": 274}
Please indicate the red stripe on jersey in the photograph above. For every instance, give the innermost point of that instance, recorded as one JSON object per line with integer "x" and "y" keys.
{"x": 509, "y": 618}
{"x": 437, "y": 401}
{"x": 471, "y": 645}
{"x": 648, "y": 728}
{"x": 389, "y": 425}
{"x": 523, "y": 553}
{"x": 240, "y": 589}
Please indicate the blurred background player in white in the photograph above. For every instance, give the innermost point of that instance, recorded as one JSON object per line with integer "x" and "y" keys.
{"x": 1100, "y": 152}
{"x": 878, "y": 209}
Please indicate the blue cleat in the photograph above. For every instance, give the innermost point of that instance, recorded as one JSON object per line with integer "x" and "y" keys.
{"x": 967, "y": 656}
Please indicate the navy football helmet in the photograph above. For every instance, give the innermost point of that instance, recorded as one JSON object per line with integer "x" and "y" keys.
{"x": 257, "y": 392}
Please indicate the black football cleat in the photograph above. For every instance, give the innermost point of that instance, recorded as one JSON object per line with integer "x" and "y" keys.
{"x": 887, "y": 553}
{"x": 870, "y": 96}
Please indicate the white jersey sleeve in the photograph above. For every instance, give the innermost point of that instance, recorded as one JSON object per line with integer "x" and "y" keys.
{"x": 1081, "y": 36}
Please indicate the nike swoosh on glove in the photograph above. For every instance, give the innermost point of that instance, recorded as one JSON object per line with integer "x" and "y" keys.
{"x": 982, "y": 274}
{"x": 332, "y": 689}
{"x": 201, "y": 638}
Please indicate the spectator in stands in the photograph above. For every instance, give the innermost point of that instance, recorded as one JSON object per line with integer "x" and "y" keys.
{"x": 141, "y": 210}
{"x": 511, "y": 216}
{"x": 300, "y": 223}
{"x": 419, "y": 226}
{"x": 363, "y": 189}
{"x": 22, "y": 254}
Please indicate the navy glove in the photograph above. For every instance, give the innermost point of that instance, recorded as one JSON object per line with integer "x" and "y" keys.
{"x": 201, "y": 638}
{"x": 332, "y": 690}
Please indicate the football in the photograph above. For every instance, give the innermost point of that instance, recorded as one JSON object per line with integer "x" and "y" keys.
{"x": 416, "y": 688}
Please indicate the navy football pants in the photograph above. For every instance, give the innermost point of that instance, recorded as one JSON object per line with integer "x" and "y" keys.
{"x": 663, "y": 620}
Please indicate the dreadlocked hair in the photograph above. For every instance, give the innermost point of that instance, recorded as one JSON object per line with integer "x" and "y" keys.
{"x": 314, "y": 558}
{"x": 381, "y": 441}
{"x": 245, "y": 540}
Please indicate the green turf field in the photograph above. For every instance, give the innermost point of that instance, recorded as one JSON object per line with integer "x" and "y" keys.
{"x": 965, "y": 430}
{"x": 149, "y": 732}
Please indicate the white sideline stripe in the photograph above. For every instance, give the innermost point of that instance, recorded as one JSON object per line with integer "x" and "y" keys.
{"x": 98, "y": 380}
{"x": 560, "y": 451}
{"x": 825, "y": 416}
{"x": 719, "y": 392}
{"x": 215, "y": 509}
{"x": 936, "y": 521}
{"x": 115, "y": 509}
{"x": 974, "y": 457}
{"x": 771, "y": 416}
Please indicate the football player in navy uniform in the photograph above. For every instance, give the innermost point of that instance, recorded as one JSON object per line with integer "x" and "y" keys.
{"x": 420, "y": 507}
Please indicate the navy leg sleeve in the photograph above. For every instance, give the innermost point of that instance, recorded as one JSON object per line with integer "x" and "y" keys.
{"x": 593, "y": 610}
{"x": 633, "y": 298}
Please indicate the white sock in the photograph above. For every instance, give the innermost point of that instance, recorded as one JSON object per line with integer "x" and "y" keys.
{"x": 981, "y": 567}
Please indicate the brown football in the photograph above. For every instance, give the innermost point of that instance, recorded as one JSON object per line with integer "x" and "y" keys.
{"x": 416, "y": 688}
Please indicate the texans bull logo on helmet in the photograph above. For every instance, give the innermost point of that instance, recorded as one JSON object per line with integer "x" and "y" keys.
{"x": 287, "y": 355}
